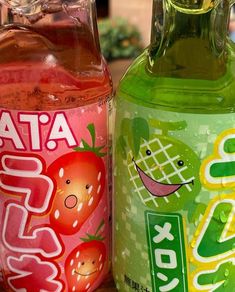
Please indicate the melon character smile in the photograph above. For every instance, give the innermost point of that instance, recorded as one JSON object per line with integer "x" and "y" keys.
{"x": 157, "y": 188}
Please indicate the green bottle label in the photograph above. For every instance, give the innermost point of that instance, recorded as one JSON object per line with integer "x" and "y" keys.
{"x": 174, "y": 179}
{"x": 167, "y": 251}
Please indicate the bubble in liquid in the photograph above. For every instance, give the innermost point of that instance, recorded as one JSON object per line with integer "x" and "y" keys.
{"x": 226, "y": 272}
{"x": 191, "y": 259}
{"x": 223, "y": 217}
{"x": 193, "y": 243}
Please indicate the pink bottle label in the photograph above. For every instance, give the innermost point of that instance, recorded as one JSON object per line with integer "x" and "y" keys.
{"x": 54, "y": 206}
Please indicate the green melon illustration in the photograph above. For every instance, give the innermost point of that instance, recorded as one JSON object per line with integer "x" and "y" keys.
{"x": 163, "y": 170}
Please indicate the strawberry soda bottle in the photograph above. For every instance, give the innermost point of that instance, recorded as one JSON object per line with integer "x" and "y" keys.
{"x": 54, "y": 108}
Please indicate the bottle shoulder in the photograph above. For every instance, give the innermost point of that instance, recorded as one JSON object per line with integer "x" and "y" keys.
{"x": 71, "y": 47}
{"x": 50, "y": 68}
{"x": 140, "y": 86}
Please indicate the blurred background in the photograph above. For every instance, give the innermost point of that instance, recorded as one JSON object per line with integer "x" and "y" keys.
{"x": 124, "y": 28}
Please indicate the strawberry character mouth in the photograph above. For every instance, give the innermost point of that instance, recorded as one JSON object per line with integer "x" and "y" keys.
{"x": 156, "y": 188}
{"x": 87, "y": 274}
{"x": 71, "y": 201}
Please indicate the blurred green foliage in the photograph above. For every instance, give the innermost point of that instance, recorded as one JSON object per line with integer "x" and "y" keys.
{"x": 119, "y": 39}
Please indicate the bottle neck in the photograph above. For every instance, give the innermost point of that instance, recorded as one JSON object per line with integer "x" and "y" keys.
{"x": 189, "y": 44}
{"x": 67, "y": 29}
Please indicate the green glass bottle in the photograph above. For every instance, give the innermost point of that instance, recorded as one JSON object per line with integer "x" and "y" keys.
{"x": 174, "y": 175}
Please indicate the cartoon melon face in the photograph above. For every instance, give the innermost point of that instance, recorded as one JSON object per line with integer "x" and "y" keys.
{"x": 165, "y": 174}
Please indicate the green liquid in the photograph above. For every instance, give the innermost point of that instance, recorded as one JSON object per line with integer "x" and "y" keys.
{"x": 178, "y": 94}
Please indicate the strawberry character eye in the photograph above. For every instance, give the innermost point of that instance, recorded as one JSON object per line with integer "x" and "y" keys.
{"x": 87, "y": 187}
{"x": 68, "y": 181}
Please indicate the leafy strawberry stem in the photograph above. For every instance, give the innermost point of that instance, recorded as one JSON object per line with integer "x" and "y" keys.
{"x": 87, "y": 147}
{"x": 95, "y": 236}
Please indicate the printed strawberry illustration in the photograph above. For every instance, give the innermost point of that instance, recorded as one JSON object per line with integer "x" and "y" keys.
{"x": 80, "y": 183}
{"x": 86, "y": 262}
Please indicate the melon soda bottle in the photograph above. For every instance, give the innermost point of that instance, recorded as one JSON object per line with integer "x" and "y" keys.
{"x": 174, "y": 175}
{"x": 54, "y": 110}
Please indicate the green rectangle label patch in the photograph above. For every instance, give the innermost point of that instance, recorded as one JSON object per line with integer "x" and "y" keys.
{"x": 167, "y": 252}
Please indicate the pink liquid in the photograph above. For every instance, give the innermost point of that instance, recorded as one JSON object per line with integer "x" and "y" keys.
{"x": 51, "y": 67}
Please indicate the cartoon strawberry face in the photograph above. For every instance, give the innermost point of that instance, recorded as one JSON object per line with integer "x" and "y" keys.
{"x": 80, "y": 183}
{"x": 84, "y": 265}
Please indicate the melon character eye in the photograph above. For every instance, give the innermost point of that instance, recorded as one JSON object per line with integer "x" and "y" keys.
{"x": 180, "y": 163}
{"x": 148, "y": 152}
{"x": 68, "y": 181}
